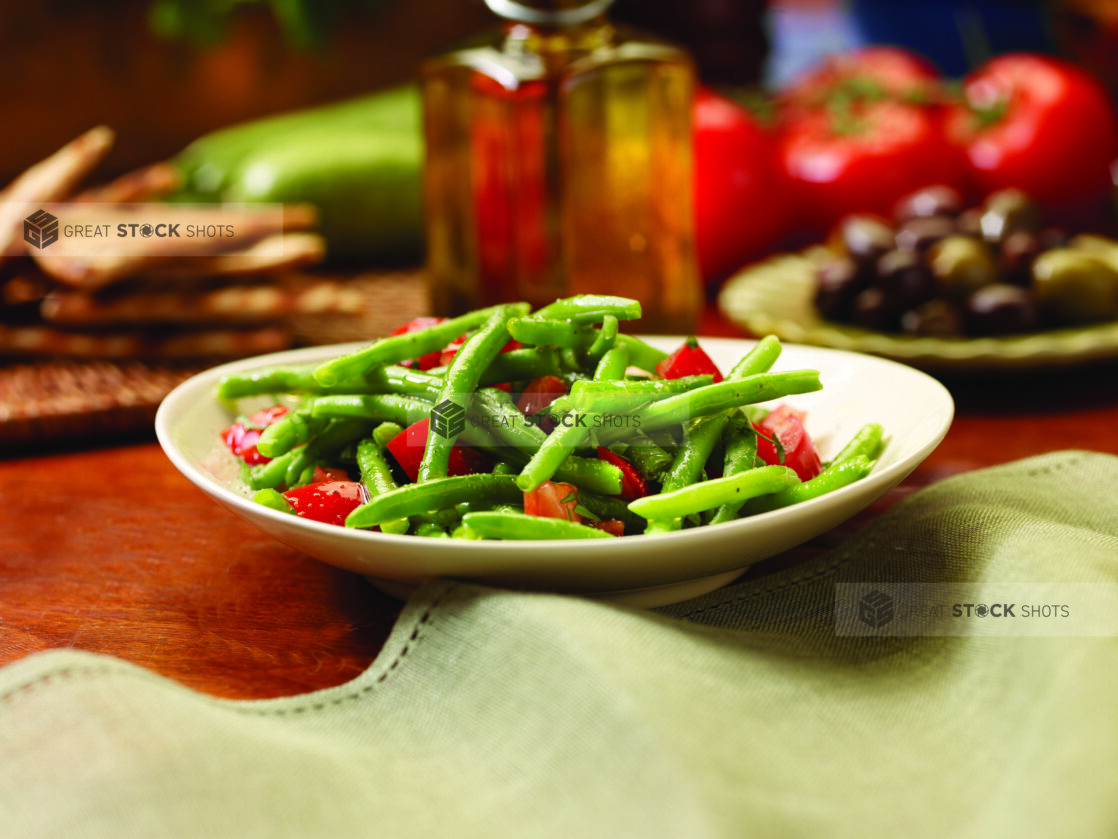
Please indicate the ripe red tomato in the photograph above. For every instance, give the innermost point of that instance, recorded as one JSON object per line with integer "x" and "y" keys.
{"x": 870, "y": 72}
{"x": 689, "y": 360}
{"x": 800, "y": 454}
{"x": 555, "y": 500}
{"x": 326, "y": 501}
{"x": 742, "y": 202}
{"x": 1039, "y": 124}
{"x": 865, "y": 159}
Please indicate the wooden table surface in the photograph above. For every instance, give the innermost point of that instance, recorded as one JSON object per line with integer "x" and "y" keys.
{"x": 107, "y": 548}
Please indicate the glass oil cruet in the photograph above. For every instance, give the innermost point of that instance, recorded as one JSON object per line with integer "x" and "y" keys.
{"x": 558, "y": 162}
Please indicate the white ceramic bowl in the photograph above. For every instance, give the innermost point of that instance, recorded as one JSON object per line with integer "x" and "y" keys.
{"x": 915, "y": 409}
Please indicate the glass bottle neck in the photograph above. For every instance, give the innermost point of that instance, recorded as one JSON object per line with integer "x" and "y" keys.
{"x": 549, "y": 13}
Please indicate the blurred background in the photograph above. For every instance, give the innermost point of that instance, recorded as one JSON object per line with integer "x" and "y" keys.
{"x": 163, "y": 72}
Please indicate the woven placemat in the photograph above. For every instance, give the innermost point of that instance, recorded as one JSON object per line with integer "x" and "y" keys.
{"x": 78, "y": 400}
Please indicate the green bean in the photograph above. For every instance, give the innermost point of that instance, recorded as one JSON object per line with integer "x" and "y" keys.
{"x": 835, "y": 476}
{"x": 649, "y": 459}
{"x": 605, "y": 340}
{"x": 610, "y": 507}
{"x": 732, "y": 393}
{"x": 590, "y": 473}
{"x": 396, "y": 348}
{"x": 269, "y": 380}
{"x": 710, "y": 494}
{"x": 702, "y": 434}
{"x": 271, "y": 474}
{"x": 543, "y": 332}
{"x": 740, "y": 456}
{"x": 591, "y": 308}
{"x": 431, "y": 530}
{"x": 612, "y": 364}
{"x": 687, "y": 465}
{"x": 403, "y": 380}
{"x": 385, "y": 432}
{"x": 642, "y": 355}
{"x": 376, "y": 475}
{"x": 413, "y": 499}
{"x": 335, "y": 435}
{"x": 378, "y": 407}
{"x": 290, "y": 430}
{"x": 760, "y": 359}
{"x": 494, "y": 410}
{"x": 518, "y": 365}
{"x": 624, "y": 397}
{"x": 461, "y": 381}
{"x": 300, "y": 468}
{"x": 273, "y": 500}
{"x": 868, "y": 442}
{"x": 464, "y": 531}
{"x": 553, "y": 453}
{"x": 507, "y": 525}
{"x": 556, "y": 451}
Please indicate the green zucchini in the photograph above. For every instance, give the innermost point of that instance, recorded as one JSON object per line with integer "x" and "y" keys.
{"x": 359, "y": 161}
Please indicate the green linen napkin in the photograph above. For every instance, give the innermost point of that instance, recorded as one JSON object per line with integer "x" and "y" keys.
{"x": 741, "y": 713}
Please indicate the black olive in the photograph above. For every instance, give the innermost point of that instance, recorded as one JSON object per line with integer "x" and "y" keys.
{"x": 1002, "y": 309}
{"x": 1009, "y": 211}
{"x": 837, "y": 283}
{"x": 938, "y": 200}
{"x": 1019, "y": 250}
{"x": 865, "y": 239}
{"x": 871, "y": 312}
{"x": 919, "y": 234}
{"x": 905, "y": 280}
{"x": 939, "y": 317}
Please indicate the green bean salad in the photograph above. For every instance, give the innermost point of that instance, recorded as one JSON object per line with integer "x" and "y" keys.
{"x": 504, "y": 423}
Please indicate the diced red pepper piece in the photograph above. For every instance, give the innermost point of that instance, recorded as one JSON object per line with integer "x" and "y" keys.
{"x": 689, "y": 360}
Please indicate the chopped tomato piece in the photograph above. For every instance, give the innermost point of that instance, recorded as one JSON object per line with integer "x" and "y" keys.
{"x": 265, "y": 417}
{"x": 407, "y": 447}
{"x": 787, "y": 425}
{"x": 326, "y": 501}
{"x": 614, "y": 527}
{"x": 328, "y": 473}
{"x": 688, "y": 360}
{"x": 540, "y": 393}
{"x": 633, "y": 485}
{"x": 241, "y": 438}
{"x": 553, "y": 500}
{"x": 423, "y": 362}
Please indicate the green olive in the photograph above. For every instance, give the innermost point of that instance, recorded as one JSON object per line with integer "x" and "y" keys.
{"x": 1009, "y": 211}
{"x": 1075, "y": 286}
{"x": 961, "y": 265}
{"x": 1098, "y": 246}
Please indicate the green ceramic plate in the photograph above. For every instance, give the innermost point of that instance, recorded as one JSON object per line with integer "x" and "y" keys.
{"x": 775, "y": 297}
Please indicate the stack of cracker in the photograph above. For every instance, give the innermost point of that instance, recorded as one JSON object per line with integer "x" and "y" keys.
{"x": 155, "y": 298}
